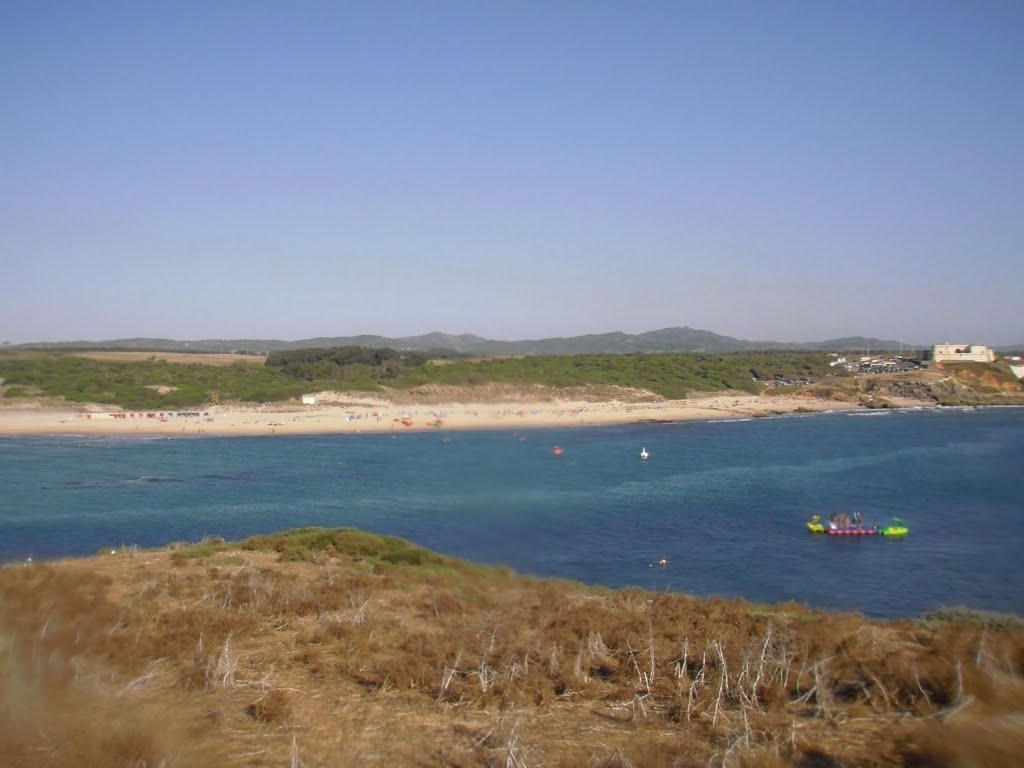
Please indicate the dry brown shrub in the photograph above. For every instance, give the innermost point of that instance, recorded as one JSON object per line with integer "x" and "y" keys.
{"x": 651, "y": 750}
{"x": 61, "y": 608}
{"x": 56, "y": 708}
{"x": 445, "y": 606}
{"x": 814, "y": 758}
{"x": 271, "y": 707}
{"x": 60, "y": 729}
{"x": 974, "y": 741}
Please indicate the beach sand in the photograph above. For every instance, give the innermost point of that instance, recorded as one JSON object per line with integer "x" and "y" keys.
{"x": 337, "y": 413}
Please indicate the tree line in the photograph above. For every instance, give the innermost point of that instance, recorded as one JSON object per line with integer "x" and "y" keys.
{"x": 153, "y": 384}
{"x": 337, "y": 364}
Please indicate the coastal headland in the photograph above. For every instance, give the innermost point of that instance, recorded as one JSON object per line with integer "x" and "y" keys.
{"x": 338, "y": 647}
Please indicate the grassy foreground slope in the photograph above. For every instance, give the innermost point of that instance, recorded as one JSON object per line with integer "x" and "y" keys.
{"x": 335, "y": 647}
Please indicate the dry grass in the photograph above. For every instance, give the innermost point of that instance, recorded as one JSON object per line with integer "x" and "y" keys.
{"x": 351, "y": 650}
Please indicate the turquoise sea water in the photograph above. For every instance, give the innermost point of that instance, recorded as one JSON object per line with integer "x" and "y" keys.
{"x": 724, "y": 502}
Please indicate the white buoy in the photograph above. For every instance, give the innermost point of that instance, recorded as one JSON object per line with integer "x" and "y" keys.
{"x": 644, "y": 454}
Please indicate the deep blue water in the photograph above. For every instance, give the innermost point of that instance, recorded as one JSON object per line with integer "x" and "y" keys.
{"x": 723, "y": 502}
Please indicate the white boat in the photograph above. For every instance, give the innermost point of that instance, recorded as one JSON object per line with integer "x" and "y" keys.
{"x": 644, "y": 454}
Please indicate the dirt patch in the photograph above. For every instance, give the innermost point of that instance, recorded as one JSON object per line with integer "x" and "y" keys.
{"x": 964, "y": 386}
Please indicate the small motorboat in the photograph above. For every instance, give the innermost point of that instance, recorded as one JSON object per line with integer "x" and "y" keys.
{"x": 898, "y": 528}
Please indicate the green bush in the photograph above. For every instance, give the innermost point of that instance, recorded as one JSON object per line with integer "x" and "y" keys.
{"x": 302, "y": 544}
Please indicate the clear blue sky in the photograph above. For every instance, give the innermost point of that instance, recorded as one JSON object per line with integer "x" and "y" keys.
{"x": 766, "y": 170}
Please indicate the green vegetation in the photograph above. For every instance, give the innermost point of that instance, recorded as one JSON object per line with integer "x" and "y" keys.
{"x": 134, "y": 384}
{"x": 963, "y": 615}
{"x": 668, "y": 375}
{"x": 359, "y": 365}
{"x": 312, "y": 544}
{"x": 182, "y": 551}
{"x": 159, "y": 385}
{"x": 308, "y": 544}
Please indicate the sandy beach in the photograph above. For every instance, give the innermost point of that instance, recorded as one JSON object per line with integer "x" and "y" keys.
{"x": 349, "y": 414}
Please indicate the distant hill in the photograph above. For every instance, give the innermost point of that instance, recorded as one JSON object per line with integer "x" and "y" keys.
{"x": 681, "y": 339}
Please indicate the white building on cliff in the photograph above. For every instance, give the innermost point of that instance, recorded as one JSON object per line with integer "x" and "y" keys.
{"x": 958, "y": 353}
